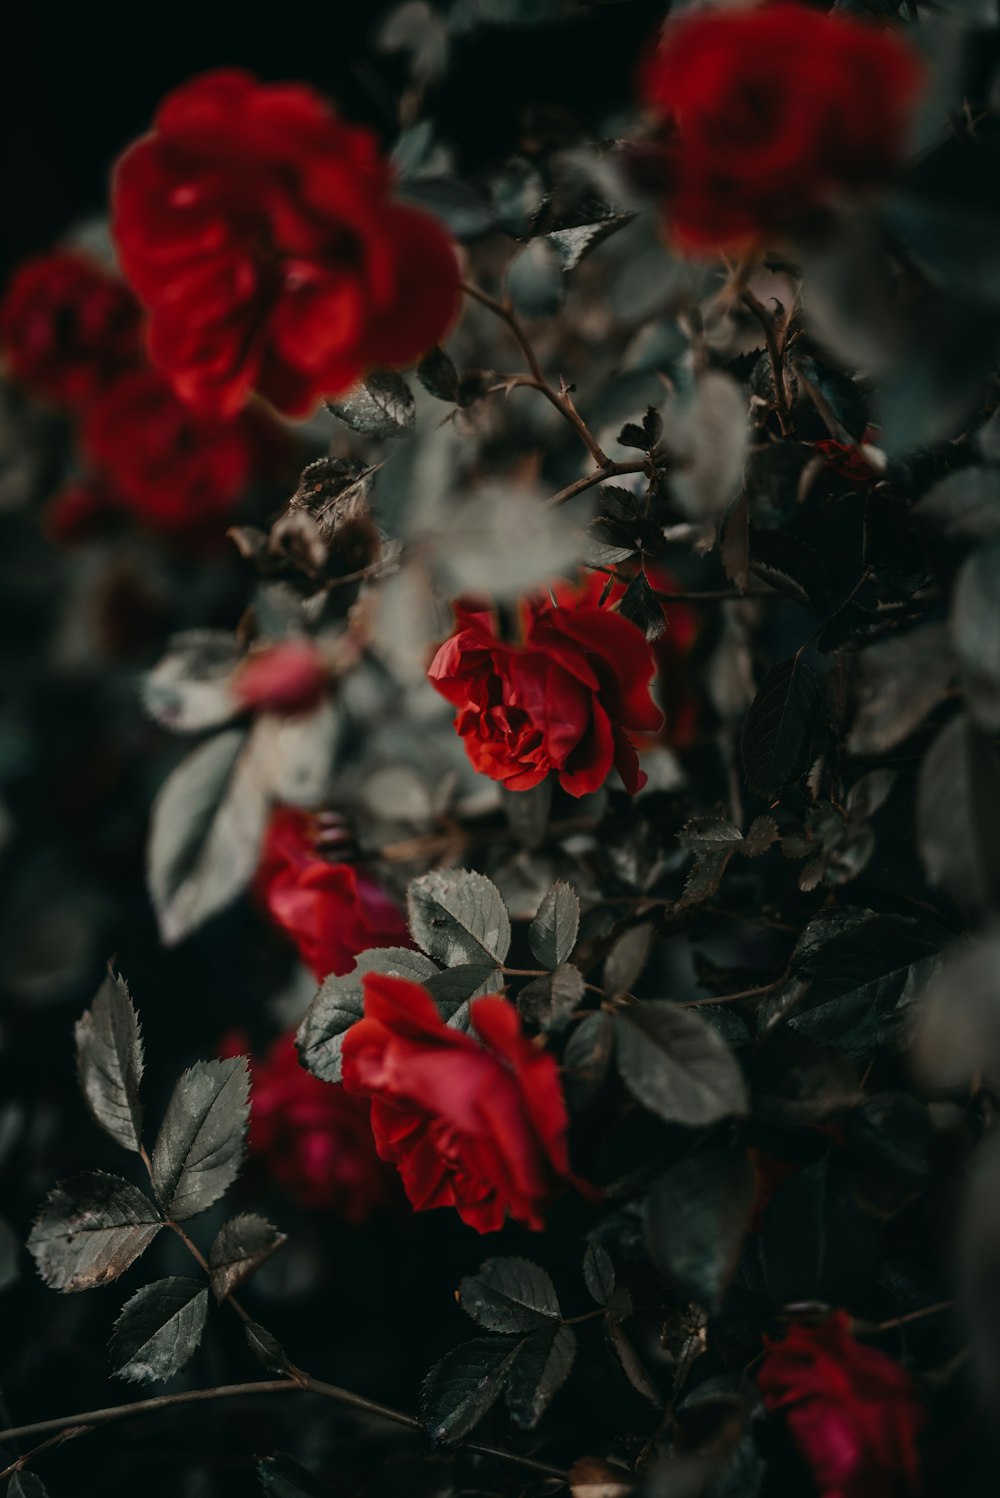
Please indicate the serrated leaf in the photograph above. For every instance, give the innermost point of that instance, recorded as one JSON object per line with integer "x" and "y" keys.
{"x": 438, "y": 375}
{"x": 340, "y": 1004}
{"x": 628, "y": 958}
{"x": 534, "y": 281}
{"x": 705, "y": 876}
{"x": 241, "y": 1245}
{"x": 452, "y": 989}
{"x": 958, "y": 806}
{"x": 458, "y": 916}
{"x": 189, "y": 688}
{"x": 552, "y": 934}
{"x": 975, "y": 631}
{"x": 158, "y": 1330}
{"x": 677, "y": 1066}
{"x": 265, "y": 1347}
{"x": 90, "y": 1230}
{"x": 696, "y": 1217}
{"x": 779, "y": 726}
{"x": 572, "y": 245}
{"x": 540, "y": 1368}
{"x": 762, "y": 834}
{"x": 109, "y": 1062}
{"x": 630, "y": 1363}
{"x": 26, "y": 1485}
{"x": 640, "y": 605}
{"x": 381, "y": 406}
{"x": 509, "y": 1295}
{"x": 460, "y": 1388}
{"x": 281, "y": 1477}
{"x": 550, "y": 1001}
{"x": 709, "y": 835}
{"x": 598, "y": 1272}
{"x": 899, "y": 681}
{"x": 202, "y": 1140}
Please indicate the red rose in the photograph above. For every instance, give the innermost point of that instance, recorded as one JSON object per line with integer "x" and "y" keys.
{"x": 287, "y": 678}
{"x": 261, "y": 233}
{"x": 331, "y": 911}
{"x": 313, "y": 1140}
{"x": 853, "y": 1412}
{"x": 474, "y": 1122}
{"x": 564, "y": 700}
{"x": 848, "y": 462}
{"x": 68, "y": 326}
{"x": 170, "y": 466}
{"x": 771, "y": 112}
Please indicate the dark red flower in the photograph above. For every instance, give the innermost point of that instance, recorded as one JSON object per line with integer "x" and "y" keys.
{"x": 331, "y": 911}
{"x": 852, "y": 1411}
{"x": 80, "y": 511}
{"x": 476, "y": 1122}
{"x": 170, "y": 466}
{"x": 68, "y": 326}
{"x": 565, "y": 700}
{"x": 771, "y": 111}
{"x": 848, "y": 462}
{"x": 313, "y": 1140}
{"x": 287, "y": 678}
{"x": 260, "y": 231}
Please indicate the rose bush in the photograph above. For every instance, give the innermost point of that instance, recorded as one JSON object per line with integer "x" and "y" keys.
{"x": 772, "y": 111}
{"x": 476, "y": 1122}
{"x": 564, "y": 700}
{"x": 261, "y": 233}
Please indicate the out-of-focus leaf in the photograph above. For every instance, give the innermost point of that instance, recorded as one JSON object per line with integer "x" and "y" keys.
{"x": 696, "y": 1218}
{"x": 458, "y": 916}
{"x": 676, "y": 1065}
{"x": 535, "y": 282}
{"x": 340, "y": 1002}
{"x": 550, "y": 1001}
{"x": 381, "y": 406}
{"x": 956, "y": 1017}
{"x": 10, "y": 1253}
{"x": 979, "y": 1258}
{"x": 189, "y": 688}
{"x": 964, "y": 504}
{"x": 438, "y": 375}
{"x": 109, "y": 1062}
{"x": 502, "y": 542}
{"x": 241, "y": 1245}
{"x": 90, "y": 1229}
{"x": 630, "y": 1363}
{"x": 975, "y": 629}
{"x": 627, "y": 960}
{"x": 707, "y": 431}
{"x": 899, "y": 681}
{"x": 202, "y": 1140}
{"x": 958, "y": 804}
{"x": 572, "y": 245}
{"x": 159, "y": 1329}
{"x": 281, "y": 1477}
{"x": 509, "y": 1295}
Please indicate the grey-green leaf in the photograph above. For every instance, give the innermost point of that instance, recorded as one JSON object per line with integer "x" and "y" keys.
{"x": 265, "y": 1347}
{"x": 975, "y": 628}
{"x": 341, "y": 1002}
{"x": 109, "y": 1061}
{"x": 458, "y": 916}
{"x": 958, "y": 803}
{"x": 241, "y": 1245}
{"x": 552, "y": 934}
{"x": 381, "y": 406}
{"x": 90, "y": 1229}
{"x": 696, "y": 1216}
{"x": 677, "y": 1066}
{"x": 460, "y": 1388}
{"x": 627, "y": 959}
{"x": 539, "y": 1370}
{"x": 509, "y": 1295}
{"x": 26, "y": 1485}
{"x": 201, "y": 1142}
{"x": 598, "y": 1272}
{"x": 281, "y": 1477}
{"x": 159, "y": 1329}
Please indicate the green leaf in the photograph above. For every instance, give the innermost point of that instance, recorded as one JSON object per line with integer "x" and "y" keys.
{"x": 677, "y": 1066}
{"x": 630, "y": 1363}
{"x": 627, "y": 960}
{"x": 899, "y": 681}
{"x": 458, "y": 916}
{"x": 460, "y": 1388}
{"x": 709, "y": 835}
{"x": 958, "y": 807}
{"x": 509, "y": 1295}
{"x": 438, "y": 375}
{"x": 381, "y": 406}
{"x": 534, "y": 281}
{"x": 779, "y": 726}
{"x": 552, "y": 934}
{"x": 640, "y": 605}
{"x": 696, "y": 1217}
{"x": 109, "y": 1061}
{"x": 190, "y": 689}
{"x": 90, "y": 1229}
{"x": 26, "y": 1485}
{"x": 265, "y": 1347}
{"x": 975, "y": 630}
{"x": 539, "y": 1369}
{"x": 202, "y": 1139}
{"x": 340, "y": 1003}
{"x": 158, "y": 1330}
{"x": 571, "y": 245}
{"x": 598, "y": 1272}
{"x": 549, "y": 1001}
{"x": 10, "y": 1255}
{"x": 281, "y": 1477}
{"x": 452, "y": 989}
{"x": 241, "y": 1245}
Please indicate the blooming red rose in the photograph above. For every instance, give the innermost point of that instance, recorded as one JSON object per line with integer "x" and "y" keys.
{"x": 476, "y": 1122}
{"x": 853, "y": 1412}
{"x": 287, "y": 678}
{"x": 771, "y": 111}
{"x": 331, "y": 911}
{"x": 260, "y": 231}
{"x": 564, "y": 700}
{"x": 313, "y": 1140}
{"x": 172, "y": 467}
{"x": 68, "y": 326}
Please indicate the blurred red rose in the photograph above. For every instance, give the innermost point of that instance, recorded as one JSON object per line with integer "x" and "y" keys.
{"x": 331, "y": 911}
{"x": 314, "y": 1140}
{"x": 170, "y": 466}
{"x": 848, "y": 462}
{"x": 852, "y": 1411}
{"x": 78, "y": 512}
{"x": 476, "y": 1122}
{"x": 68, "y": 326}
{"x": 565, "y": 700}
{"x": 260, "y": 231}
{"x": 287, "y": 678}
{"x": 772, "y": 111}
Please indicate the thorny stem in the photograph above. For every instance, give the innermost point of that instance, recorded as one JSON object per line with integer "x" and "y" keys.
{"x": 935, "y": 1310}
{"x": 560, "y": 399}
{"x": 609, "y": 471}
{"x": 774, "y": 342}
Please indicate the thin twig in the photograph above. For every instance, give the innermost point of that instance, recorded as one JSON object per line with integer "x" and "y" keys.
{"x": 609, "y": 471}
{"x": 773, "y": 342}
